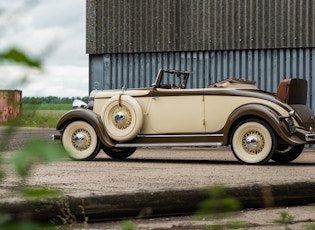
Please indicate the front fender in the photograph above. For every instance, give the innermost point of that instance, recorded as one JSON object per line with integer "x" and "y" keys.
{"x": 90, "y": 117}
{"x": 262, "y": 112}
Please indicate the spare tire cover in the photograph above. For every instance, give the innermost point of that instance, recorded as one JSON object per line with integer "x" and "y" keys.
{"x": 122, "y": 117}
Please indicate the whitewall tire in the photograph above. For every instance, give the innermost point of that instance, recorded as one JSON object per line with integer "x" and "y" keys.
{"x": 253, "y": 142}
{"x": 80, "y": 141}
{"x": 122, "y": 117}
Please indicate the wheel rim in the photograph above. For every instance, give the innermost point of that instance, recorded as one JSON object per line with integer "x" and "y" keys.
{"x": 121, "y": 117}
{"x": 252, "y": 143}
{"x": 80, "y": 140}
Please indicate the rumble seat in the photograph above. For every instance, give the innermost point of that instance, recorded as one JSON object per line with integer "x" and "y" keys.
{"x": 292, "y": 91}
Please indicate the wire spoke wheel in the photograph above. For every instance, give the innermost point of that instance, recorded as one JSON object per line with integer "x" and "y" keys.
{"x": 253, "y": 142}
{"x": 80, "y": 141}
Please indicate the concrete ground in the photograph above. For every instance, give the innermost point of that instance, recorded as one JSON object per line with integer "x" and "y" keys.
{"x": 165, "y": 181}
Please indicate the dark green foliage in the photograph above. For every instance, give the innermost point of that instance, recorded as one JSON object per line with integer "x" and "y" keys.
{"x": 218, "y": 203}
{"x": 284, "y": 220}
{"x": 17, "y": 56}
{"x": 34, "y": 151}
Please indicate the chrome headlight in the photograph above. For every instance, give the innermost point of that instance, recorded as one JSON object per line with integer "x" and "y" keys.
{"x": 292, "y": 113}
{"x": 91, "y": 99}
{"x": 76, "y": 104}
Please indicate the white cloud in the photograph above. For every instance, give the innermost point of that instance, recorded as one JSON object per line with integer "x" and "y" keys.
{"x": 54, "y": 31}
{"x": 61, "y": 81}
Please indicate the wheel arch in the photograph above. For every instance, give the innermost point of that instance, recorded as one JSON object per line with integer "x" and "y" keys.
{"x": 92, "y": 118}
{"x": 261, "y": 112}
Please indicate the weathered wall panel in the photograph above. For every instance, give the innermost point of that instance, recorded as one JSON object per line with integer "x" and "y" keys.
{"x": 10, "y": 104}
{"x": 266, "y": 67}
{"x": 135, "y": 26}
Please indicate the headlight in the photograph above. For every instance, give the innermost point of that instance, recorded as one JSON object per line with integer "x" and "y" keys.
{"x": 292, "y": 113}
{"x": 79, "y": 104}
{"x": 91, "y": 99}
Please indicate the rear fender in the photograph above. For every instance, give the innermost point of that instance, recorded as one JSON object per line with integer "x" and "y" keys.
{"x": 90, "y": 117}
{"x": 265, "y": 113}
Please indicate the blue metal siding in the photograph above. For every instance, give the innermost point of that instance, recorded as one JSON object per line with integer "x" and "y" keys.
{"x": 266, "y": 67}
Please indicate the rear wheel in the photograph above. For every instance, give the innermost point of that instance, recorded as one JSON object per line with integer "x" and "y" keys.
{"x": 119, "y": 153}
{"x": 253, "y": 142}
{"x": 80, "y": 141}
{"x": 287, "y": 154}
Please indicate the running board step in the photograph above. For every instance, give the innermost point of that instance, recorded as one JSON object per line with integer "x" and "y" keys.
{"x": 129, "y": 145}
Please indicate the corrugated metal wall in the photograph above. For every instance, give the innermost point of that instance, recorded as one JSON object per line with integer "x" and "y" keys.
{"x": 136, "y": 26}
{"x": 267, "y": 67}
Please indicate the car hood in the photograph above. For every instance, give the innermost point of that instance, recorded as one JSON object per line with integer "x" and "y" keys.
{"x": 131, "y": 92}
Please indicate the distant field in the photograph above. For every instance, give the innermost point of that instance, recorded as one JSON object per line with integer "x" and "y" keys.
{"x": 42, "y": 115}
{"x": 47, "y": 107}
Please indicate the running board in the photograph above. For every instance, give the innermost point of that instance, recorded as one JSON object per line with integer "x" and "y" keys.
{"x": 130, "y": 145}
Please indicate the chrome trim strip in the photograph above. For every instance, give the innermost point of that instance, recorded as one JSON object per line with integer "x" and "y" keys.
{"x": 178, "y": 135}
{"x": 205, "y": 144}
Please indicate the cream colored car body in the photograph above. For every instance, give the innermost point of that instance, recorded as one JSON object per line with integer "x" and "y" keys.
{"x": 184, "y": 114}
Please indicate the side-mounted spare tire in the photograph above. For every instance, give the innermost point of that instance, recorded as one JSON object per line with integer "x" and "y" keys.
{"x": 122, "y": 117}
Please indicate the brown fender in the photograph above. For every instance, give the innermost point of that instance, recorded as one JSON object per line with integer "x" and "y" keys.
{"x": 90, "y": 117}
{"x": 266, "y": 113}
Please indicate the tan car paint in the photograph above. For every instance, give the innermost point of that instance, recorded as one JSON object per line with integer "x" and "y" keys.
{"x": 219, "y": 108}
{"x": 184, "y": 114}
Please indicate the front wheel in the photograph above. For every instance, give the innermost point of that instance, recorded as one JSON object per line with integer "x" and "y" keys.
{"x": 287, "y": 154}
{"x": 253, "y": 142}
{"x": 80, "y": 141}
{"x": 119, "y": 153}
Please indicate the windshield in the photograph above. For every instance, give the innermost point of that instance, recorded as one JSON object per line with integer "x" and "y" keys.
{"x": 170, "y": 79}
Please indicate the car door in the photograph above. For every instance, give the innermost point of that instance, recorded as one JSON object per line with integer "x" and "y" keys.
{"x": 176, "y": 111}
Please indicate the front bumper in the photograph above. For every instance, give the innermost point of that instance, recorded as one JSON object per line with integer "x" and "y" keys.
{"x": 55, "y": 137}
{"x": 305, "y": 136}
{"x": 310, "y": 137}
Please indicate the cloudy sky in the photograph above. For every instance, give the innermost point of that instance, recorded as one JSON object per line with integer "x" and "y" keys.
{"x": 53, "y": 31}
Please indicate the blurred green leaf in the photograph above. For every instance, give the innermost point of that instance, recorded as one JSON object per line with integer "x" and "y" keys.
{"x": 40, "y": 193}
{"x": 285, "y": 219}
{"x": 4, "y": 218}
{"x": 35, "y": 151}
{"x": 18, "y": 56}
{"x": 219, "y": 202}
{"x": 20, "y": 226}
{"x": 128, "y": 225}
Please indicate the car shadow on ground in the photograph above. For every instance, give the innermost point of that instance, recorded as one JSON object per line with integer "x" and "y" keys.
{"x": 169, "y": 161}
{"x": 204, "y": 162}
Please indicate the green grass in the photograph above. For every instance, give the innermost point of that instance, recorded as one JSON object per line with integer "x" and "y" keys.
{"x": 42, "y": 115}
{"x": 46, "y": 107}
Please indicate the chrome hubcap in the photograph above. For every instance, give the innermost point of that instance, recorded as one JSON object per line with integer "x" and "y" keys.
{"x": 81, "y": 139}
{"x": 120, "y": 117}
{"x": 253, "y": 142}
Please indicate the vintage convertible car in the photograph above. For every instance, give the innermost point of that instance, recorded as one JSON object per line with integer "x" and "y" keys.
{"x": 258, "y": 125}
